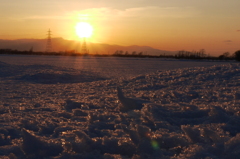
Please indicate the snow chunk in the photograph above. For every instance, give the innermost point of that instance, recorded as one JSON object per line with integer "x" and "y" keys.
{"x": 35, "y": 146}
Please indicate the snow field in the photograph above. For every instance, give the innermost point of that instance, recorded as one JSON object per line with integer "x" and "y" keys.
{"x": 54, "y": 112}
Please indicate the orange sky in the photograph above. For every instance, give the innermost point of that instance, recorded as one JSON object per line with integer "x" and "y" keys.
{"x": 167, "y": 25}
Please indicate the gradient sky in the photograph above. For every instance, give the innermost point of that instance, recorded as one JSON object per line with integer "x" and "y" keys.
{"x": 213, "y": 25}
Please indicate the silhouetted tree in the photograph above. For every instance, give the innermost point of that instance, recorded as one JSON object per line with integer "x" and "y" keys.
{"x": 237, "y": 55}
{"x": 224, "y": 56}
{"x": 31, "y": 50}
{"x": 116, "y": 53}
{"x": 134, "y": 53}
{"x": 120, "y": 52}
{"x": 202, "y": 52}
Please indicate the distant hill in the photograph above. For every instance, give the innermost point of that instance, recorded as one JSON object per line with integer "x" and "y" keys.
{"x": 60, "y": 44}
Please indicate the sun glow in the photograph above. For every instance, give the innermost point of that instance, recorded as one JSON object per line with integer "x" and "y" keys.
{"x": 84, "y": 29}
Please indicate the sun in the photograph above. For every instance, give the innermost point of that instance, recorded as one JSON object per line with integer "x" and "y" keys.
{"x": 84, "y": 29}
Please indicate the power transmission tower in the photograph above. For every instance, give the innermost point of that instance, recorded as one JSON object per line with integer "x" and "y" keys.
{"x": 84, "y": 49}
{"x": 49, "y": 41}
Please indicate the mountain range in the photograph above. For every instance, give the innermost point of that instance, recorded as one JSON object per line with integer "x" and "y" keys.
{"x": 61, "y": 45}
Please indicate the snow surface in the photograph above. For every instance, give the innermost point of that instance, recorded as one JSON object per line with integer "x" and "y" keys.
{"x": 111, "y": 67}
{"x": 48, "y": 111}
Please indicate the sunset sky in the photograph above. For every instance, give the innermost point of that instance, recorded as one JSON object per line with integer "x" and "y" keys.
{"x": 213, "y": 25}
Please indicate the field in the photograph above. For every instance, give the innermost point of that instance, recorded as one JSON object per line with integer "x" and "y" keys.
{"x": 118, "y": 108}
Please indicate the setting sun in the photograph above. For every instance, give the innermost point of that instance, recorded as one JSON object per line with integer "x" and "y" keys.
{"x": 84, "y": 29}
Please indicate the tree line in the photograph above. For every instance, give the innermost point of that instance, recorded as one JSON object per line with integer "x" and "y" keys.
{"x": 182, "y": 54}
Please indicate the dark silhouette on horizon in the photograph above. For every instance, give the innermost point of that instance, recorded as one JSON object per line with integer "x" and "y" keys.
{"x": 180, "y": 55}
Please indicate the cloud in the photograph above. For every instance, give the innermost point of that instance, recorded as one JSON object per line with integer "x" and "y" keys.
{"x": 37, "y": 17}
{"x": 111, "y": 13}
{"x": 169, "y": 12}
{"x": 140, "y": 12}
{"x": 228, "y": 41}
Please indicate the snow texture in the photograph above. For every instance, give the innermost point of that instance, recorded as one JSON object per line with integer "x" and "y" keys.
{"x": 60, "y": 112}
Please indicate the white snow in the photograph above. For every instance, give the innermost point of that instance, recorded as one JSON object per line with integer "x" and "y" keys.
{"x": 53, "y": 108}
